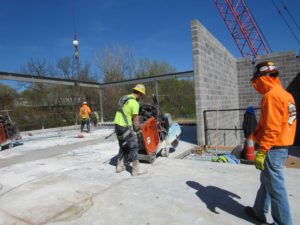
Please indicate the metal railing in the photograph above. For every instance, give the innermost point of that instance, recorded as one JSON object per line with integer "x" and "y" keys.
{"x": 216, "y": 129}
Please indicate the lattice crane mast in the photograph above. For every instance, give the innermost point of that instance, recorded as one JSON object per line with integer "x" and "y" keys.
{"x": 242, "y": 27}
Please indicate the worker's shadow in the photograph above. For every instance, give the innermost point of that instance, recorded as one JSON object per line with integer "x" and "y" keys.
{"x": 113, "y": 161}
{"x": 215, "y": 197}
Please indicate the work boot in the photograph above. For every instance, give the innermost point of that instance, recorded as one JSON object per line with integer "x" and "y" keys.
{"x": 120, "y": 165}
{"x": 250, "y": 212}
{"x": 136, "y": 168}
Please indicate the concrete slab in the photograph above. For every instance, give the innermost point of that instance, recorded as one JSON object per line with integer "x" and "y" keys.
{"x": 80, "y": 186}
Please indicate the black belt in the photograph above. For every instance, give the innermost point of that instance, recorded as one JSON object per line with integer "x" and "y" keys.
{"x": 279, "y": 147}
{"x": 123, "y": 136}
{"x": 122, "y": 132}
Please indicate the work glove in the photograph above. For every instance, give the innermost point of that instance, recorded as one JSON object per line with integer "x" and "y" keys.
{"x": 260, "y": 160}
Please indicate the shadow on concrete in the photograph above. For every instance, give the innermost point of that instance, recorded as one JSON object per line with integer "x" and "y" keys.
{"x": 189, "y": 134}
{"x": 294, "y": 89}
{"x": 215, "y": 197}
{"x": 113, "y": 161}
{"x": 295, "y": 151}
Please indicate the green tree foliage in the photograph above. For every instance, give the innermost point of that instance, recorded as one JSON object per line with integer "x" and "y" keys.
{"x": 177, "y": 97}
{"x": 7, "y": 97}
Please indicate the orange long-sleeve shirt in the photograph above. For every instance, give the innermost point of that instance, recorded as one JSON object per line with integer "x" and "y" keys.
{"x": 277, "y": 124}
{"x": 84, "y": 112}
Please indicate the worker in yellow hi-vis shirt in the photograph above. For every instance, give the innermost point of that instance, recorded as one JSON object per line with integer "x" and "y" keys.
{"x": 126, "y": 125}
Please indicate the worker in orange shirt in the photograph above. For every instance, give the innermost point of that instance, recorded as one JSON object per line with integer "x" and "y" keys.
{"x": 84, "y": 113}
{"x": 274, "y": 134}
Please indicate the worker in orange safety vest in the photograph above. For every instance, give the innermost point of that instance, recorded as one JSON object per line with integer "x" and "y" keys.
{"x": 84, "y": 113}
{"x": 274, "y": 134}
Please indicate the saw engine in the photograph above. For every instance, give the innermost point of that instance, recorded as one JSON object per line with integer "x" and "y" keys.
{"x": 158, "y": 133}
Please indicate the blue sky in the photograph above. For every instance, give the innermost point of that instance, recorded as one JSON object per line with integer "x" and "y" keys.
{"x": 155, "y": 29}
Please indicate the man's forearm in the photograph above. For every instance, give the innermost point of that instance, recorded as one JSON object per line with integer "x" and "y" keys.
{"x": 136, "y": 126}
{"x": 136, "y": 123}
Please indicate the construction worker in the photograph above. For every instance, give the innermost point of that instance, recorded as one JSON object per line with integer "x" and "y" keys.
{"x": 274, "y": 134}
{"x": 126, "y": 125}
{"x": 95, "y": 118}
{"x": 84, "y": 113}
{"x": 249, "y": 122}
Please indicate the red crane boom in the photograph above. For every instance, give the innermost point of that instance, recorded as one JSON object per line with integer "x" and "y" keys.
{"x": 242, "y": 27}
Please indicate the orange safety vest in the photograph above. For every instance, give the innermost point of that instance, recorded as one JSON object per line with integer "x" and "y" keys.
{"x": 84, "y": 112}
{"x": 277, "y": 123}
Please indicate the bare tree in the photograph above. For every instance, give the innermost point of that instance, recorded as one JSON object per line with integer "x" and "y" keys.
{"x": 116, "y": 63}
{"x": 65, "y": 68}
{"x": 52, "y": 104}
{"x": 147, "y": 68}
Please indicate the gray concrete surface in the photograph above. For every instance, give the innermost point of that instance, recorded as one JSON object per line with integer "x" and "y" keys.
{"x": 80, "y": 187}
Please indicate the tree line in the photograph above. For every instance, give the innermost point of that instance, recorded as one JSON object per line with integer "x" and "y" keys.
{"x": 40, "y": 105}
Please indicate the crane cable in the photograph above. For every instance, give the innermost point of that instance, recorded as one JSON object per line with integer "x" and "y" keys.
{"x": 291, "y": 16}
{"x": 75, "y": 41}
{"x": 74, "y": 17}
{"x": 286, "y": 22}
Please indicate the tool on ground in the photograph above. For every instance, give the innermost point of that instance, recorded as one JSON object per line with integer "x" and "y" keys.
{"x": 108, "y": 136}
{"x": 80, "y": 135}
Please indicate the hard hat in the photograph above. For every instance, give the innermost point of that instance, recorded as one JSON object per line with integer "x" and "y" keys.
{"x": 84, "y": 103}
{"x": 140, "y": 88}
{"x": 266, "y": 68}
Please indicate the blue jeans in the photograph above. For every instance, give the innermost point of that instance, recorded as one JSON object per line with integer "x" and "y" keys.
{"x": 272, "y": 189}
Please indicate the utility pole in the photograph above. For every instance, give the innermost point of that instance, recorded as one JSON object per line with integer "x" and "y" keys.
{"x": 76, "y": 43}
{"x": 76, "y": 55}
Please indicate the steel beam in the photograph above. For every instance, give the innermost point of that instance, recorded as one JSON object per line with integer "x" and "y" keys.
{"x": 49, "y": 80}
{"x": 61, "y": 81}
{"x": 150, "y": 79}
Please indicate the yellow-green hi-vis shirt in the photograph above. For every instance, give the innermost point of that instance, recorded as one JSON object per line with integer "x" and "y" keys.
{"x": 130, "y": 108}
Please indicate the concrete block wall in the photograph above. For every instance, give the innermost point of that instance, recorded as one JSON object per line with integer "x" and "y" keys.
{"x": 223, "y": 82}
{"x": 289, "y": 68}
{"x": 216, "y": 87}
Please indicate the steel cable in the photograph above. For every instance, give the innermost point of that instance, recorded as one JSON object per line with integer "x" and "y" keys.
{"x": 286, "y": 22}
{"x": 289, "y": 13}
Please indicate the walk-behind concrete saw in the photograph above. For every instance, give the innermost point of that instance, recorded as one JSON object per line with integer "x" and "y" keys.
{"x": 159, "y": 134}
